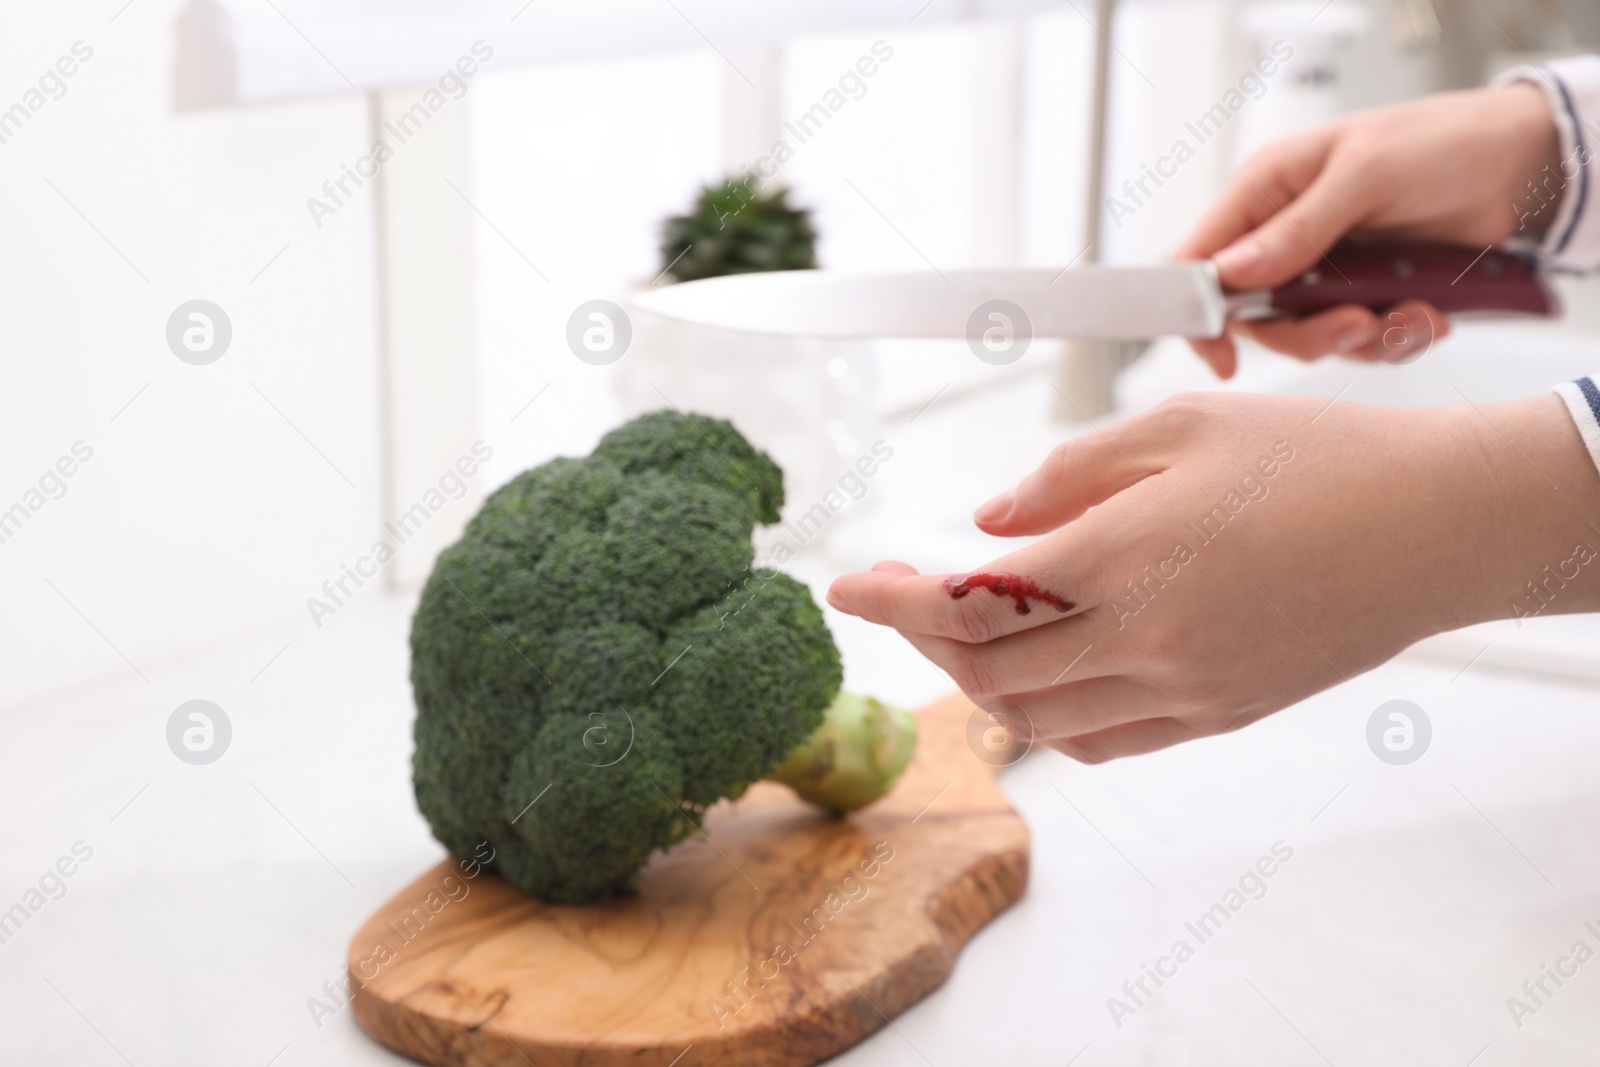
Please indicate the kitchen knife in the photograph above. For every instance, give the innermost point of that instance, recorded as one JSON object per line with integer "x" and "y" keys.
{"x": 1099, "y": 301}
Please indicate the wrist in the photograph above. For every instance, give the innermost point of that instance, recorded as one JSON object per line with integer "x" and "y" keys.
{"x": 1533, "y": 143}
{"x": 1524, "y": 508}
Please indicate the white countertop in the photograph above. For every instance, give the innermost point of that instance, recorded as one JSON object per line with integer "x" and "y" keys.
{"x": 1417, "y": 900}
{"x": 220, "y": 898}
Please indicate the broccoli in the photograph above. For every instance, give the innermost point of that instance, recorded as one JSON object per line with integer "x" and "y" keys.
{"x": 595, "y": 663}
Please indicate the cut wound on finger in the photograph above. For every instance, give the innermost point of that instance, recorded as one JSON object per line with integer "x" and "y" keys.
{"x": 1020, "y": 589}
{"x": 922, "y": 603}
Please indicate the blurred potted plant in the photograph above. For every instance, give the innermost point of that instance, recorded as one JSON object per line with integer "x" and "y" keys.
{"x": 735, "y": 228}
{"x": 806, "y": 401}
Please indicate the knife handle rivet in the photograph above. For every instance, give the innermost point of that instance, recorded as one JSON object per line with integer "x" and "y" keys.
{"x": 1311, "y": 277}
{"x": 1404, "y": 268}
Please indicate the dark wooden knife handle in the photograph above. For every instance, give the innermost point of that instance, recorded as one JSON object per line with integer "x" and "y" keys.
{"x": 1450, "y": 277}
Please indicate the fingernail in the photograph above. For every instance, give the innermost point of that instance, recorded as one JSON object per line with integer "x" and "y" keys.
{"x": 1242, "y": 257}
{"x": 837, "y": 599}
{"x": 1349, "y": 340}
{"x": 995, "y": 510}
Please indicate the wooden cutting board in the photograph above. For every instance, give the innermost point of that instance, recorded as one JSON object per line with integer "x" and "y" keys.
{"x": 779, "y": 939}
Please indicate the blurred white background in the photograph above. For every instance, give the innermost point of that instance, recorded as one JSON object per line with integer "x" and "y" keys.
{"x": 420, "y": 317}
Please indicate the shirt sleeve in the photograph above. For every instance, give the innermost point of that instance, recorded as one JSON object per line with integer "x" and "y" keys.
{"x": 1583, "y": 404}
{"x": 1572, "y": 240}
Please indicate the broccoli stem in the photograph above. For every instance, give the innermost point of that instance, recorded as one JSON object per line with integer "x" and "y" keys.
{"x": 854, "y": 757}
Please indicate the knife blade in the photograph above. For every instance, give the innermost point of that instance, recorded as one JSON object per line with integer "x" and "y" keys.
{"x": 1099, "y": 302}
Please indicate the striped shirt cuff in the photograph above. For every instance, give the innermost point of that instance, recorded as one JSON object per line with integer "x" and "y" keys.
{"x": 1583, "y": 404}
{"x": 1572, "y": 238}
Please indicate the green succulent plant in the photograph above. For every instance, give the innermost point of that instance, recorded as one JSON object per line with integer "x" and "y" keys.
{"x": 736, "y": 228}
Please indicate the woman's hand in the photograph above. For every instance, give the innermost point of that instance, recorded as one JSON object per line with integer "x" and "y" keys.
{"x": 1453, "y": 167}
{"x": 1244, "y": 552}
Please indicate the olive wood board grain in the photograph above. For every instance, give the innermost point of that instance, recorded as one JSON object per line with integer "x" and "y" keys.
{"x": 778, "y": 938}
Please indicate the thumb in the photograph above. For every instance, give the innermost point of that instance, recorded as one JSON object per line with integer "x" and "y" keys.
{"x": 1297, "y": 234}
{"x": 1074, "y": 477}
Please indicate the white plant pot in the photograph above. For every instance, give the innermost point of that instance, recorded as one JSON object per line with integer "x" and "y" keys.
{"x": 808, "y": 403}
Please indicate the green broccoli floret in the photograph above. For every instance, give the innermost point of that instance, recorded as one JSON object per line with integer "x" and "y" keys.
{"x": 595, "y": 662}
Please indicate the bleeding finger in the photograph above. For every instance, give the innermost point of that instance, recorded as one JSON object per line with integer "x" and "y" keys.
{"x": 973, "y": 607}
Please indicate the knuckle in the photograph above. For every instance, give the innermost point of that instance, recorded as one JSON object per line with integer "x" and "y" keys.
{"x": 973, "y": 674}
{"x": 1262, "y": 162}
{"x": 1173, "y": 420}
{"x": 1061, "y": 463}
{"x": 1186, "y": 411}
{"x": 1361, "y": 146}
{"x": 1369, "y": 156}
{"x": 974, "y": 626}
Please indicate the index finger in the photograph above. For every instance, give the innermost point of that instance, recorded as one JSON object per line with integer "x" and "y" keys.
{"x": 972, "y": 607}
{"x": 1272, "y": 177}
